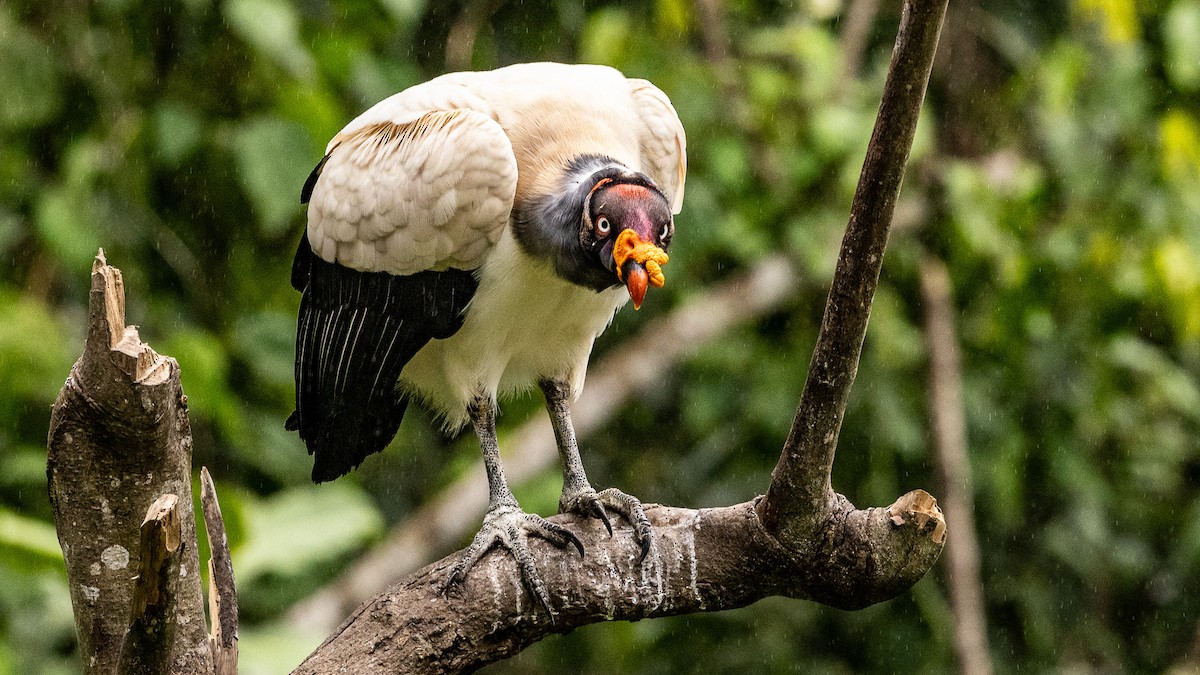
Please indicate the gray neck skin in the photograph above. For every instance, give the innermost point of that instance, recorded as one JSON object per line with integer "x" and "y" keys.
{"x": 547, "y": 227}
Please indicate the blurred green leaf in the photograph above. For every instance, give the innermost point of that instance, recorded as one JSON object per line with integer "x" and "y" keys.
{"x": 267, "y": 342}
{"x": 33, "y": 351}
{"x": 672, "y": 15}
{"x": 64, "y": 222}
{"x": 30, "y": 543}
{"x": 23, "y": 467}
{"x": 204, "y": 372}
{"x": 274, "y": 157}
{"x": 178, "y": 132}
{"x": 272, "y": 649}
{"x": 1181, "y": 25}
{"x": 605, "y": 37}
{"x": 404, "y": 11}
{"x": 28, "y": 77}
{"x": 1178, "y": 268}
{"x": 1119, "y": 18}
{"x": 272, "y": 449}
{"x": 273, "y": 28}
{"x": 304, "y": 526}
{"x": 315, "y": 110}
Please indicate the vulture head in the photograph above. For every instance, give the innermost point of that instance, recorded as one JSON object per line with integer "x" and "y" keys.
{"x": 609, "y": 226}
{"x": 627, "y": 226}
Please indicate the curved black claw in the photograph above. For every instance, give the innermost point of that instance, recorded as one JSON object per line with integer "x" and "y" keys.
{"x": 630, "y": 508}
{"x": 586, "y": 503}
{"x": 510, "y": 527}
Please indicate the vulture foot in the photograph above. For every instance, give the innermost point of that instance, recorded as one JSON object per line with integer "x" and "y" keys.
{"x": 510, "y": 527}
{"x": 591, "y": 504}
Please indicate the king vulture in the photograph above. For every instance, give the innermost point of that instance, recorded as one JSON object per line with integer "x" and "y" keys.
{"x": 469, "y": 238}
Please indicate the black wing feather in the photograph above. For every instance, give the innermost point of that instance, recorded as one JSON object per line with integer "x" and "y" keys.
{"x": 356, "y": 332}
{"x": 310, "y": 183}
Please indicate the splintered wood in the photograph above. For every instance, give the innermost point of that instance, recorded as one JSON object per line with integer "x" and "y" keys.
{"x": 222, "y": 595}
{"x": 160, "y": 539}
{"x": 922, "y": 509}
{"x": 142, "y": 364}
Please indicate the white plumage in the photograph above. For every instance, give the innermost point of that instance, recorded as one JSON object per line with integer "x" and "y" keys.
{"x": 470, "y": 237}
{"x": 510, "y": 340}
{"x": 442, "y": 157}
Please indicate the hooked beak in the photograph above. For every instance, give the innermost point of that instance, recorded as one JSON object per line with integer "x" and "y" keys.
{"x": 636, "y": 280}
{"x": 639, "y": 264}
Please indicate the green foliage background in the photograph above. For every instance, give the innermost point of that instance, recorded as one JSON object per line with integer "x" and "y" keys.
{"x": 1056, "y": 172}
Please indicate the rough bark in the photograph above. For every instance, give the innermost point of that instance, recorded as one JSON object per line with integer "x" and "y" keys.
{"x": 801, "y": 540}
{"x": 700, "y": 561}
{"x": 119, "y": 439}
{"x": 801, "y": 497}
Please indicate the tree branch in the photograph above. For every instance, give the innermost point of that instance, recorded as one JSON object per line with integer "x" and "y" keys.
{"x": 700, "y": 560}
{"x": 856, "y": 30}
{"x": 119, "y": 439}
{"x": 801, "y": 497}
{"x": 802, "y": 540}
{"x": 222, "y": 595}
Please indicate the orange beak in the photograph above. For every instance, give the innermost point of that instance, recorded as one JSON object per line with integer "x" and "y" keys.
{"x": 639, "y": 264}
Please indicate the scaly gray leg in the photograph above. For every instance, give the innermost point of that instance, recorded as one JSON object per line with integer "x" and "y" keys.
{"x": 505, "y": 523}
{"x": 578, "y": 496}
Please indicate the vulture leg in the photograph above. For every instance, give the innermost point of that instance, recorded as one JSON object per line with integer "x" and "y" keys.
{"x": 578, "y": 495}
{"x": 505, "y": 524}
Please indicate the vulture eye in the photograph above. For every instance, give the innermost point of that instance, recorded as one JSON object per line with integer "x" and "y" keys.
{"x": 666, "y": 232}
{"x": 602, "y": 225}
